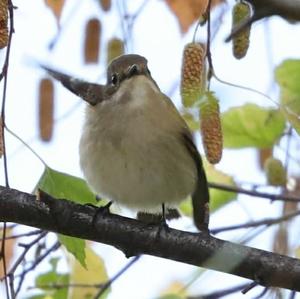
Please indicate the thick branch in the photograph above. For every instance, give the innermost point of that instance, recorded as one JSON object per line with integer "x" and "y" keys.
{"x": 134, "y": 237}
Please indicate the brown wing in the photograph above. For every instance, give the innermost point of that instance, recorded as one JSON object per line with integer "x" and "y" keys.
{"x": 200, "y": 197}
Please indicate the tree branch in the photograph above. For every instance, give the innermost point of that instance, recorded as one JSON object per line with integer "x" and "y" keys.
{"x": 134, "y": 238}
{"x": 287, "y": 9}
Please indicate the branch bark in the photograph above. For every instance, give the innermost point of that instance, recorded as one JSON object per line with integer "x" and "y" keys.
{"x": 134, "y": 238}
{"x": 287, "y": 9}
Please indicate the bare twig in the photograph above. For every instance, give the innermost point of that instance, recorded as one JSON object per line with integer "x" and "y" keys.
{"x": 34, "y": 265}
{"x": 26, "y": 247}
{"x": 31, "y": 233}
{"x": 4, "y": 74}
{"x": 266, "y": 195}
{"x": 116, "y": 276}
{"x": 221, "y": 293}
{"x": 267, "y": 222}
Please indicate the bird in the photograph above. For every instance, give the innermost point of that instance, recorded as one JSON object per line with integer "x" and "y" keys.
{"x": 135, "y": 148}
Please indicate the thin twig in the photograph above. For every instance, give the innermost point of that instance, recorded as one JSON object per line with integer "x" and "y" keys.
{"x": 4, "y": 75}
{"x": 54, "y": 247}
{"x": 267, "y": 222}
{"x": 221, "y": 293}
{"x": 249, "y": 287}
{"x": 266, "y": 195}
{"x": 31, "y": 233}
{"x": 26, "y": 247}
{"x": 208, "y": 51}
{"x": 261, "y": 294}
{"x": 116, "y": 276}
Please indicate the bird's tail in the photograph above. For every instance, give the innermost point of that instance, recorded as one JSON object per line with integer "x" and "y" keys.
{"x": 200, "y": 202}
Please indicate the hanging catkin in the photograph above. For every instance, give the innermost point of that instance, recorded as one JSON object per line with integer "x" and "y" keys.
{"x": 211, "y": 129}
{"x": 105, "y": 4}
{"x": 46, "y": 109}
{"x": 115, "y": 48}
{"x": 3, "y": 23}
{"x": 92, "y": 41}
{"x": 240, "y": 42}
{"x": 192, "y": 73}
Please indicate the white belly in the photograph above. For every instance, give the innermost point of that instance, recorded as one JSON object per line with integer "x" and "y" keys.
{"x": 140, "y": 164}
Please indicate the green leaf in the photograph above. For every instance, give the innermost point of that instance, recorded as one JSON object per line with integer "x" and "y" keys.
{"x": 219, "y": 198}
{"x": 62, "y": 185}
{"x": 94, "y": 273}
{"x": 252, "y": 126}
{"x": 75, "y": 246}
{"x": 288, "y": 77}
{"x": 52, "y": 277}
{"x": 287, "y": 74}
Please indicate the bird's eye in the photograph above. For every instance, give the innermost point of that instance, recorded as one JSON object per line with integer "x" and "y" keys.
{"x": 114, "y": 79}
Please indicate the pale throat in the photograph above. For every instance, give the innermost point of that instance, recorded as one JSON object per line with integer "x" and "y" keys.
{"x": 138, "y": 90}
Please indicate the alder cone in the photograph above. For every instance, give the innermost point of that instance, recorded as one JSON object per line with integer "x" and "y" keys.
{"x": 92, "y": 41}
{"x": 3, "y": 23}
{"x": 240, "y": 42}
{"x": 211, "y": 129}
{"x": 193, "y": 73}
{"x": 115, "y": 48}
{"x": 46, "y": 109}
{"x": 275, "y": 172}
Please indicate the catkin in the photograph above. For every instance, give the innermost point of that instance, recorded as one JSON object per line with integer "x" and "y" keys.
{"x": 240, "y": 42}
{"x": 275, "y": 172}
{"x": 211, "y": 129}
{"x": 105, "y": 4}
{"x": 3, "y": 23}
{"x": 115, "y": 48}
{"x": 46, "y": 109}
{"x": 92, "y": 41}
{"x": 193, "y": 73}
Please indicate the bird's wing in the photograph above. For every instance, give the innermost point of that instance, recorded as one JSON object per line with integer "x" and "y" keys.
{"x": 200, "y": 197}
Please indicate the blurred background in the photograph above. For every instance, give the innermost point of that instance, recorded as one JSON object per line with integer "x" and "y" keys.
{"x": 57, "y": 36}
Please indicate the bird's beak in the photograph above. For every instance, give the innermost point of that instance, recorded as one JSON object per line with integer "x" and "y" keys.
{"x": 89, "y": 92}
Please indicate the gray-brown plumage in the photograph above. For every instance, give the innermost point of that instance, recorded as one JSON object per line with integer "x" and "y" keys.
{"x": 135, "y": 148}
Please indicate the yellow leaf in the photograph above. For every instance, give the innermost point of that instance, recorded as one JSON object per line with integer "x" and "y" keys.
{"x": 56, "y": 6}
{"x": 94, "y": 274}
{"x": 175, "y": 290}
{"x": 9, "y": 249}
{"x": 188, "y": 11}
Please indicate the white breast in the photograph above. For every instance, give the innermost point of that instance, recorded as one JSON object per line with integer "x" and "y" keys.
{"x": 131, "y": 151}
